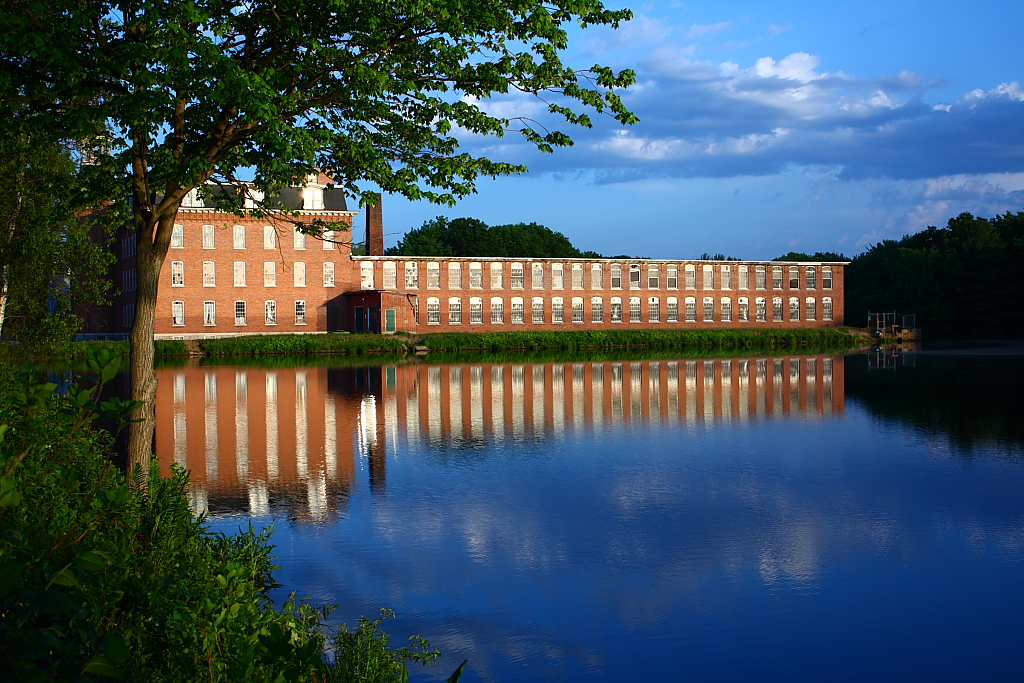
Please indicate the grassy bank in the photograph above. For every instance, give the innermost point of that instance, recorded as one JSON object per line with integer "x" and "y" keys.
{"x": 822, "y": 338}
{"x": 98, "y": 582}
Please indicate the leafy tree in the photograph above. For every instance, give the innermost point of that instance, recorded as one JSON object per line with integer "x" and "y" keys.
{"x": 717, "y": 257}
{"x": 173, "y": 94}
{"x": 816, "y": 256}
{"x": 962, "y": 281}
{"x": 470, "y": 237}
{"x": 50, "y": 257}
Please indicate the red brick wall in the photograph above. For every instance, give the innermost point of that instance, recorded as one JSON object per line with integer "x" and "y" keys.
{"x": 567, "y": 293}
{"x": 225, "y": 293}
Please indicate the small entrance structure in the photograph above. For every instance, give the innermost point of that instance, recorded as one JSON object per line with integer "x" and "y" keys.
{"x": 376, "y": 311}
{"x": 894, "y": 327}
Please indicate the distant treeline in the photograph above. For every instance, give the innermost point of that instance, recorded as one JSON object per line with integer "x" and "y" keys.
{"x": 472, "y": 238}
{"x": 963, "y": 281}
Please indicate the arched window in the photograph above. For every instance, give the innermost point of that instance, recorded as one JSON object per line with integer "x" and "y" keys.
{"x": 654, "y": 310}
{"x": 454, "y": 275}
{"x": 634, "y": 276}
{"x": 476, "y": 275}
{"x": 537, "y": 275}
{"x": 299, "y": 274}
{"x": 653, "y": 277}
{"x": 616, "y": 277}
{"x": 497, "y": 310}
{"x": 365, "y": 274}
{"x": 517, "y": 276}
{"x": 760, "y": 277}
{"x": 596, "y": 276}
{"x": 673, "y": 309}
{"x": 476, "y": 310}
{"x": 761, "y": 313}
{"x": 239, "y": 236}
{"x": 433, "y": 311}
{"x": 794, "y": 309}
{"x": 454, "y": 311}
{"x": 794, "y": 277}
{"x": 209, "y": 274}
{"x": 177, "y": 273}
{"x": 270, "y": 312}
{"x": 239, "y": 272}
{"x": 557, "y": 310}
{"x": 299, "y": 239}
{"x": 412, "y": 275}
{"x": 557, "y": 276}
{"x": 826, "y": 309}
{"x": 616, "y": 304}
{"x": 577, "y": 276}
{"x": 635, "y": 315}
{"x": 778, "y": 314}
{"x": 744, "y": 309}
{"x": 709, "y": 277}
{"x": 810, "y": 309}
{"x": 209, "y": 239}
{"x": 810, "y": 277}
{"x": 596, "y": 309}
{"x": 726, "y": 310}
{"x": 744, "y": 277}
{"x": 269, "y": 237}
{"x": 690, "y": 272}
{"x": 433, "y": 275}
{"x": 497, "y": 276}
{"x": 726, "y": 273}
{"x": 518, "y": 312}
{"x": 270, "y": 274}
{"x": 691, "y": 309}
{"x": 776, "y": 277}
{"x": 826, "y": 277}
{"x": 709, "y": 309}
{"x": 390, "y": 275}
{"x": 178, "y": 237}
{"x": 577, "y": 309}
{"x": 538, "y": 309}
{"x": 672, "y": 277}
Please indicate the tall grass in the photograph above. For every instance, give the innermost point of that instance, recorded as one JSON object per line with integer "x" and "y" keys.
{"x": 302, "y": 344}
{"x": 652, "y": 339}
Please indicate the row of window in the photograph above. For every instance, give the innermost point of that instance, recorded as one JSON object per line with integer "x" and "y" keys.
{"x": 241, "y": 313}
{"x": 238, "y": 234}
{"x": 239, "y": 274}
{"x": 712, "y": 311}
{"x": 554, "y": 275}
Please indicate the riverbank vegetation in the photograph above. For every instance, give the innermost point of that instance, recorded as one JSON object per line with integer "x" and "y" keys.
{"x": 100, "y": 582}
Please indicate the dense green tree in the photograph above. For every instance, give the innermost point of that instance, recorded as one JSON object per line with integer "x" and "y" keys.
{"x": 816, "y": 256}
{"x": 176, "y": 93}
{"x": 50, "y": 256}
{"x": 473, "y": 238}
{"x": 962, "y": 281}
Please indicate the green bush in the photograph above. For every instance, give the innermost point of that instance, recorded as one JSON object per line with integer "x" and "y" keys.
{"x": 652, "y": 339}
{"x": 300, "y": 344}
{"x": 98, "y": 582}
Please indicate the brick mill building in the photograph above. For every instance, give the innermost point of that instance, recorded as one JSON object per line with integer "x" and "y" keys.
{"x": 227, "y": 275}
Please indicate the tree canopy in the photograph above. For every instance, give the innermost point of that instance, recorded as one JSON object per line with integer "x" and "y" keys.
{"x": 965, "y": 280}
{"x": 816, "y": 256}
{"x": 171, "y": 94}
{"x": 470, "y": 237}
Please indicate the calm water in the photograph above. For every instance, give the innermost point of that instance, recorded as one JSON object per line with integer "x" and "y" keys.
{"x": 752, "y": 519}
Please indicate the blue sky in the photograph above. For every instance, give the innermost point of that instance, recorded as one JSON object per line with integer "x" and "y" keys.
{"x": 770, "y": 127}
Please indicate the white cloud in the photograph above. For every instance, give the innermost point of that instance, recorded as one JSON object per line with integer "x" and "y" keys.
{"x": 798, "y": 66}
{"x": 776, "y": 30}
{"x": 707, "y": 30}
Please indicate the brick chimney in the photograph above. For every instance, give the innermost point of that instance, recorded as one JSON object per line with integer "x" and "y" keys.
{"x": 375, "y": 229}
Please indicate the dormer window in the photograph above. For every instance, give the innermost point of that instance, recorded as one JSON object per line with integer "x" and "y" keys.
{"x": 191, "y": 200}
{"x": 253, "y": 197}
{"x": 312, "y": 198}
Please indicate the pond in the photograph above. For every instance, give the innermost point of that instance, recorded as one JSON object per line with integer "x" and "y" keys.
{"x": 761, "y": 518}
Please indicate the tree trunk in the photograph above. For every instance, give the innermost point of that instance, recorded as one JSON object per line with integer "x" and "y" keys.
{"x": 150, "y": 256}
{"x": 11, "y": 225}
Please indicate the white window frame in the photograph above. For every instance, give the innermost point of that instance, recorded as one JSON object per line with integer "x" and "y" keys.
{"x": 761, "y": 309}
{"x": 455, "y": 275}
{"x": 810, "y": 309}
{"x": 476, "y": 276}
{"x": 690, "y": 309}
{"x": 596, "y": 276}
{"x": 794, "y": 277}
{"x": 744, "y": 272}
{"x": 672, "y": 278}
{"x": 412, "y": 275}
{"x": 518, "y": 310}
{"x": 537, "y": 275}
{"x": 761, "y": 277}
{"x": 634, "y": 277}
{"x": 596, "y": 310}
{"x": 725, "y": 314}
{"x": 300, "y": 312}
{"x": 241, "y": 318}
{"x": 709, "y": 309}
{"x": 209, "y": 237}
{"x": 537, "y": 308}
{"x": 707, "y": 278}
{"x": 826, "y": 309}
{"x": 365, "y": 274}
{"x": 725, "y": 275}
{"x": 826, "y": 277}
{"x": 329, "y": 274}
{"x": 743, "y": 304}
{"x": 557, "y": 276}
{"x": 390, "y": 270}
{"x": 270, "y": 312}
{"x": 616, "y": 309}
{"x": 177, "y": 273}
{"x": 298, "y": 240}
{"x": 238, "y": 236}
{"x": 577, "y": 276}
{"x": 454, "y": 311}
{"x": 299, "y": 274}
{"x": 209, "y": 274}
{"x": 178, "y": 313}
{"x": 433, "y": 275}
{"x": 557, "y": 310}
{"x": 209, "y": 313}
{"x": 497, "y": 310}
{"x": 178, "y": 237}
{"x": 328, "y": 240}
{"x": 497, "y": 275}
{"x": 653, "y": 309}
{"x": 476, "y": 310}
{"x": 239, "y": 273}
{"x": 578, "y": 310}
{"x": 672, "y": 312}
{"x": 269, "y": 237}
{"x": 616, "y": 277}
{"x": 433, "y": 311}
{"x": 269, "y": 274}
{"x": 517, "y": 276}
{"x": 794, "y": 309}
{"x": 778, "y": 309}
{"x": 635, "y": 309}
{"x": 653, "y": 281}
{"x": 777, "y": 278}
{"x": 810, "y": 277}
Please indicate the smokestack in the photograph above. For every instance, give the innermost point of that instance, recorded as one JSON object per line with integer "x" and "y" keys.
{"x": 375, "y": 228}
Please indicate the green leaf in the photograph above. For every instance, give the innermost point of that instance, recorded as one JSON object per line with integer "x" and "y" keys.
{"x": 114, "y": 647}
{"x": 102, "y": 666}
{"x": 10, "y": 499}
{"x": 90, "y": 561}
{"x": 54, "y": 602}
{"x": 109, "y": 372}
{"x": 66, "y": 577}
{"x": 454, "y": 678}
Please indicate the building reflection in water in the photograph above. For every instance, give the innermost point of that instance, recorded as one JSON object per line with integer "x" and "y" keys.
{"x": 261, "y": 439}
